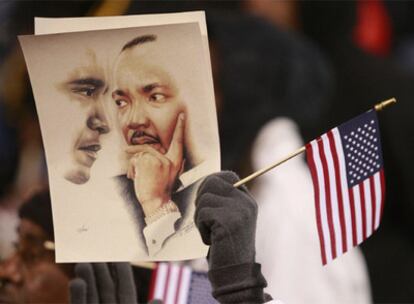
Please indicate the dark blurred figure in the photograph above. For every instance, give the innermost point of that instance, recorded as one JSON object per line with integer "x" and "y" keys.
{"x": 30, "y": 275}
{"x": 9, "y": 157}
{"x": 261, "y": 73}
{"x": 9, "y": 151}
{"x": 402, "y": 16}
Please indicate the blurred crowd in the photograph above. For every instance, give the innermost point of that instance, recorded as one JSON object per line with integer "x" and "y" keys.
{"x": 284, "y": 72}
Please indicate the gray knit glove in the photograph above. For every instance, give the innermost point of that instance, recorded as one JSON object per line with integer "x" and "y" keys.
{"x": 103, "y": 283}
{"x": 226, "y": 218}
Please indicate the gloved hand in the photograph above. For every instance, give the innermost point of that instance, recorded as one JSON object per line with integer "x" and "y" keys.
{"x": 103, "y": 283}
{"x": 226, "y": 218}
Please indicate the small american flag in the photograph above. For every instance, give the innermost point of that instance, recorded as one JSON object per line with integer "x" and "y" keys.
{"x": 348, "y": 178}
{"x": 177, "y": 284}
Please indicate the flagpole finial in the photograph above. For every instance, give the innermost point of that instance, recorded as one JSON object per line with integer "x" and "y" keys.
{"x": 385, "y": 103}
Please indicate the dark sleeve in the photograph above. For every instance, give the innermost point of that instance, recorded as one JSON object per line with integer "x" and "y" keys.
{"x": 241, "y": 283}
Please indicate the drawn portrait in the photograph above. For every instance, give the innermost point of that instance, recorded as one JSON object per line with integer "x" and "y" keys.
{"x": 129, "y": 127}
{"x": 84, "y": 87}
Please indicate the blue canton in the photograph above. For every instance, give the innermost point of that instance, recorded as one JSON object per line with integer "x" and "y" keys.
{"x": 362, "y": 147}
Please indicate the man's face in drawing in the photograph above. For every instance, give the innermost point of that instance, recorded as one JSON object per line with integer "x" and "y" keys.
{"x": 84, "y": 88}
{"x": 146, "y": 96}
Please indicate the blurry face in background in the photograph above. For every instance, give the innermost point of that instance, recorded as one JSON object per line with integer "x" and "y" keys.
{"x": 146, "y": 97}
{"x": 31, "y": 275}
{"x": 84, "y": 87}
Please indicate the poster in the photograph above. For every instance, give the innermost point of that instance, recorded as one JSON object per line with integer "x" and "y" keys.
{"x": 129, "y": 127}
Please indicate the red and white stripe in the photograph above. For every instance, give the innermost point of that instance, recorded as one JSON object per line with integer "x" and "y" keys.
{"x": 171, "y": 283}
{"x": 345, "y": 217}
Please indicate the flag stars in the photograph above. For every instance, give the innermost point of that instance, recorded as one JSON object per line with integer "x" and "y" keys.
{"x": 361, "y": 151}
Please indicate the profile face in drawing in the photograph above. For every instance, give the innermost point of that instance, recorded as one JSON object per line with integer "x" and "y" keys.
{"x": 83, "y": 89}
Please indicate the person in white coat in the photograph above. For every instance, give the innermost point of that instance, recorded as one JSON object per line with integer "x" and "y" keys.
{"x": 287, "y": 243}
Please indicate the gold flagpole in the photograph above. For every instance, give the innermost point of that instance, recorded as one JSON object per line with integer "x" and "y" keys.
{"x": 378, "y": 107}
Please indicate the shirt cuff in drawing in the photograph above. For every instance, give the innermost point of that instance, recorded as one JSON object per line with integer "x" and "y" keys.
{"x": 158, "y": 231}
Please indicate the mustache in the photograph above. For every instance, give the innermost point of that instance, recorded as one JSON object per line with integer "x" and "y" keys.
{"x": 139, "y": 137}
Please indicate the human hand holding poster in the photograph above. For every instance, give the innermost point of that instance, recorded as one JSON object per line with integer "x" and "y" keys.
{"x": 129, "y": 126}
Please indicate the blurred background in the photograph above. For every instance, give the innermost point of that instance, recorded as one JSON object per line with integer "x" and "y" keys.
{"x": 317, "y": 63}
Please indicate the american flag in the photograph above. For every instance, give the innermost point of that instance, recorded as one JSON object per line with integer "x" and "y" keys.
{"x": 348, "y": 178}
{"x": 178, "y": 284}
